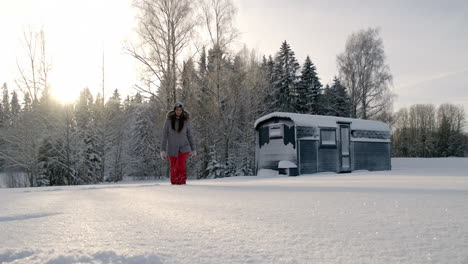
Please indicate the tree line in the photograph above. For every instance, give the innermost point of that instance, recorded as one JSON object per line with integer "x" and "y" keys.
{"x": 82, "y": 143}
{"x": 424, "y": 130}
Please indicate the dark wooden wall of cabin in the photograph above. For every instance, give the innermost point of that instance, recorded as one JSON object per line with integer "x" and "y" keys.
{"x": 308, "y": 156}
{"x": 328, "y": 160}
{"x": 371, "y": 156}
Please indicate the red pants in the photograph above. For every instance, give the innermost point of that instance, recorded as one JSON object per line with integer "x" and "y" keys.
{"x": 178, "y": 171}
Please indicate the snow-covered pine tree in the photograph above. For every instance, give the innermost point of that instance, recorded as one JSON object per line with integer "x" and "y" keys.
{"x": 401, "y": 140}
{"x": 465, "y": 144}
{"x": 15, "y": 108}
{"x": 246, "y": 168}
{"x": 326, "y": 101}
{"x": 142, "y": 142}
{"x": 23, "y": 141}
{"x": 342, "y": 102}
{"x": 45, "y": 171}
{"x": 230, "y": 167}
{"x": 308, "y": 90}
{"x": 3, "y": 121}
{"x": 100, "y": 121}
{"x": 27, "y": 103}
{"x": 267, "y": 87}
{"x": 69, "y": 137}
{"x": 115, "y": 121}
{"x": 250, "y": 107}
{"x": 336, "y": 101}
{"x": 215, "y": 169}
{"x": 5, "y": 108}
{"x": 443, "y": 137}
{"x": 285, "y": 79}
{"x": 230, "y": 115}
{"x": 2, "y": 116}
{"x": 137, "y": 99}
{"x": 48, "y": 113}
{"x": 126, "y": 103}
{"x": 188, "y": 77}
{"x": 158, "y": 118}
{"x": 51, "y": 163}
{"x": 89, "y": 165}
{"x": 456, "y": 147}
{"x": 203, "y": 114}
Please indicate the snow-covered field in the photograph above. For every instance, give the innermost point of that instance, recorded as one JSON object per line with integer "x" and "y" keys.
{"x": 416, "y": 213}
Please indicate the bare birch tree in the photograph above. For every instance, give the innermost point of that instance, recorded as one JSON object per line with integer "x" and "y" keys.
{"x": 33, "y": 74}
{"x": 164, "y": 28}
{"x": 24, "y": 138}
{"x": 218, "y": 16}
{"x": 363, "y": 70}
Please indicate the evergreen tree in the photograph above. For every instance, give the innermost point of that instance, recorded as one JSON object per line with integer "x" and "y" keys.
{"x": 15, "y": 108}
{"x": 27, "y": 104}
{"x": 308, "y": 90}
{"x": 455, "y": 143}
{"x": 202, "y": 73}
{"x": 70, "y": 140}
{"x": 188, "y": 82}
{"x": 90, "y": 161}
{"x": 336, "y": 100}
{"x": 137, "y": 99}
{"x": 142, "y": 143}
{"x": 100, "y": 121}
{"x": 203, "y": 115}
{"x": 443, "y": 137}
{"x": 285, "y": 79}
{"x": 158, "y": 117}
{"x": 246, "y": 167}
{"x": 114, "y": 129}
{"x": 268, "y": 89}
{"x": 465, "y": 145}
{"x": 5, "y": 109}
{"x": 3, "y": 124}
{"x": 215, "y": 169}
{"x": 51, "y": 163}
{"x": 230, "y": 167}
{"x": 2, "y": 116}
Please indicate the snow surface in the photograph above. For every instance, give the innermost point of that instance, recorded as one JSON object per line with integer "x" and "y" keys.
{"x": 416, "y": 213}
{"x": 327, "y": 121}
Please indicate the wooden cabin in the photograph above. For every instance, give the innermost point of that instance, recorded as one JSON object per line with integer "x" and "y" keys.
{"x": 297, "y": 144}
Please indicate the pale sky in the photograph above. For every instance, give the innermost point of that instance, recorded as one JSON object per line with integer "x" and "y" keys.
{"x": 425, "y": 41}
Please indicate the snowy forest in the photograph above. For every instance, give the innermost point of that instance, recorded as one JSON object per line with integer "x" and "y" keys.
{"x": 108, "y": 138}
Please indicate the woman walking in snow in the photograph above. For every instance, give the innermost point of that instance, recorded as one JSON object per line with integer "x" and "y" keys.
{"x": 177, "y": 142}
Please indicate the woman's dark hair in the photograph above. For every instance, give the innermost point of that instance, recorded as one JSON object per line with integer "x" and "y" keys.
{"x": 181, "y": 120}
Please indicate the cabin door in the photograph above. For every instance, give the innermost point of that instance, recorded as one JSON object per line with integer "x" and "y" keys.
{"x": 345, "y": 157}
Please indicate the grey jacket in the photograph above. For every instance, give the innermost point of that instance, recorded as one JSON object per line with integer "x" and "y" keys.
{"x": 174, "y": 142}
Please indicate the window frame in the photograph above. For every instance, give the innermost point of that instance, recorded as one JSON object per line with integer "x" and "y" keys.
{"x": 281, "y": 129}
{"x": 328, "y": 146}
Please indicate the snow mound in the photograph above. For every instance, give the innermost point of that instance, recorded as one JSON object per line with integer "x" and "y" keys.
{"x": 267, "y": 173}
{"x": 286, "y": 164}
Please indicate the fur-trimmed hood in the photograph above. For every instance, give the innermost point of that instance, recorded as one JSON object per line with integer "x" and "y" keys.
{"x": 171, "y": 113}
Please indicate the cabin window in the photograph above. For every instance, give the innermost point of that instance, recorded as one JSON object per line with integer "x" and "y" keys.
{"x": 328, "y": 138}
{"x": 276, "y": 131}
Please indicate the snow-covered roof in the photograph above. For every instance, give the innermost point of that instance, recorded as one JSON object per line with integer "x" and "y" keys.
{"x": 326, "y": 121}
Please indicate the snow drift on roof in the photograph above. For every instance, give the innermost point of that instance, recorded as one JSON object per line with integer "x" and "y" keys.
{"x": 326, "y": 121}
